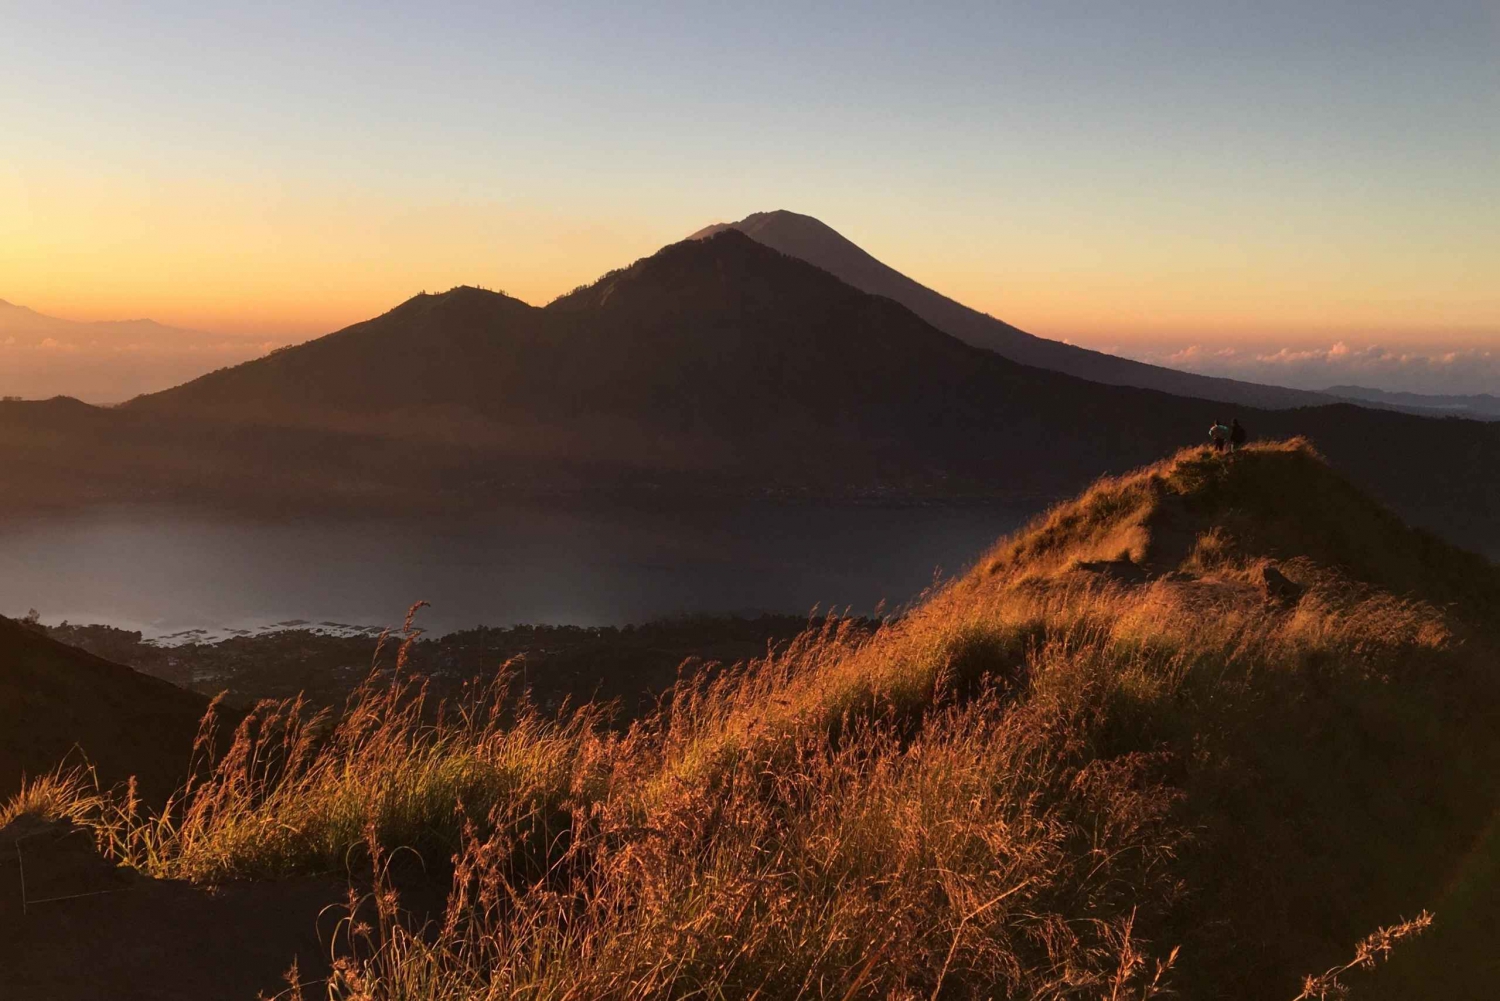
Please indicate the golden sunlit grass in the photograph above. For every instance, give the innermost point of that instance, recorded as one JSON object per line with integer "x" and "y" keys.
{"x": 68, "y": 794}
{"x": 1370, "y": 950}
{"x": 1107, "y": 741}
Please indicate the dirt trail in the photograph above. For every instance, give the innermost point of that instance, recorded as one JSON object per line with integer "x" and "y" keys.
{"x": 116, "y": 934}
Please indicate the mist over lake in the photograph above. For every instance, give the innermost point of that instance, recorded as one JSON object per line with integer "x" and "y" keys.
{"x": 166, "y": 570}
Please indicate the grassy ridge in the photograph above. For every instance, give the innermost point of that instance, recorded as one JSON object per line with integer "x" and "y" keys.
{"x": 1105, "y": 763}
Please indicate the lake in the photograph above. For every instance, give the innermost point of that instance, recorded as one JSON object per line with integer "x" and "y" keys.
{"x": 168, "y": 571}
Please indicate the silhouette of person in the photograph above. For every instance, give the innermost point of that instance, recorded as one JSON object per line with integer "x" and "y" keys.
{"x": 1218, "y": 436}
{"x": 1236, "y": 435}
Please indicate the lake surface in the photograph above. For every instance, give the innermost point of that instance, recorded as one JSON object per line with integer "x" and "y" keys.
{"x": 166, "y": 571}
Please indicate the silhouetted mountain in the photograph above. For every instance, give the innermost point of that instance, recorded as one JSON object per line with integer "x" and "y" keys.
{"x": 712, "y": 358}
{"x": 714, "y": 366}
{"x": 807, "y": 238}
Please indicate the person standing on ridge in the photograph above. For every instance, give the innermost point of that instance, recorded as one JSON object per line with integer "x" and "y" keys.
{"x": 1236, "y": 435}
{"x": 1218, "y": 436}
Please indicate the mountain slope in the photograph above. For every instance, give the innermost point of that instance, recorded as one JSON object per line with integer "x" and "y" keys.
{"x": 807, "y": 238}
{"x": 714, "y": 366}
{"x": 1324, "y": 679}
{"x": 57, "y": 701}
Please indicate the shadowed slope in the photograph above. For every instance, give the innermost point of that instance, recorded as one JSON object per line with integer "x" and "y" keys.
{"x": 807, "y": 238}
{"x": 428, "y": 351}
{"x": 56, "y": 700}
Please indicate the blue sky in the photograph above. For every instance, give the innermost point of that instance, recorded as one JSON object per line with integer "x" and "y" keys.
{"x": 1145, "y": 176}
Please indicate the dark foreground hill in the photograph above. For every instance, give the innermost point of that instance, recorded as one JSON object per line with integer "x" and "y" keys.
{"x": 630, "y": 665}
{"x": 58, "y": 702}
{"x": 1198, "y": 730}
{"x": 714, "y": 366}
{"x": 813, "y": 241}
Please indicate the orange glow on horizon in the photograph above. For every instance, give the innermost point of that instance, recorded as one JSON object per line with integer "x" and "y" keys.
{"x": 243, "y": 258}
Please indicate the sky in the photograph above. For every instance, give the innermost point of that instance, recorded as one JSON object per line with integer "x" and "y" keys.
{"x": 1305, "y": 190}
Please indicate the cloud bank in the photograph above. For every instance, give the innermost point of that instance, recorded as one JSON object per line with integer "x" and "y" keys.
{"x": 1443, "y": 370}
{"x": 42, "y": 356}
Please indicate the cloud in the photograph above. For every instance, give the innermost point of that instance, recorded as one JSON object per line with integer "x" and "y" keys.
{"x": 1196, "y": 354}
{"x": 1445, "y": 370}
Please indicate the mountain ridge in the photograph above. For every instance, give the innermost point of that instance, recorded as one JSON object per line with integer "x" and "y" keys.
{"x": 812, "y": 240}
{"x": 1480, "y": 406}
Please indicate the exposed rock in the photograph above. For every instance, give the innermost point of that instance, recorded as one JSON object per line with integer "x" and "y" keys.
{"x": 1122, "y": 570}
{"x": 1278, "y": 586}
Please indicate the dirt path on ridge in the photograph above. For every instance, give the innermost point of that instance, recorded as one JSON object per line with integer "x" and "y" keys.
{"x": 126, "y": 937}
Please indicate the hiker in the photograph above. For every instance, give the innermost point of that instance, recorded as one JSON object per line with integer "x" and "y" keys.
{"x": 1218, "y": 436}
{"x": 1236, "y": 435}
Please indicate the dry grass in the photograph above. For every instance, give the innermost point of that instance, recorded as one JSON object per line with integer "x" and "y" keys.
{"x": 1368, "y": 952}
{"x": 1037, "y": 785}
{"x": 298, "y": 790}
{"x": 876, "y": 867}
{"x": 69, "y": 794}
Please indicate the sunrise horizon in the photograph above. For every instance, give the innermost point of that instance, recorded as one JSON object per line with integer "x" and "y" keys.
{"x": 1306, "y": 348}
{"x": 1267, "y": 180}
{"x": 1053, "y": 302}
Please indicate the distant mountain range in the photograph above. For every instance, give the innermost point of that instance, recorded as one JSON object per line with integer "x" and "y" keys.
{"x": 1479, "y": 406}
{"x": 716, "y": 366}
{"x": 106, "y": 362}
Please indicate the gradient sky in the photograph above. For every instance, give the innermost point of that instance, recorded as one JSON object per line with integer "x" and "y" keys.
{"x": 1145, "y": 176}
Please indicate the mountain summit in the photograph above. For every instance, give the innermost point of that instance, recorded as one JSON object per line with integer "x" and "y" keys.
{"x": 813, "y": 241}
